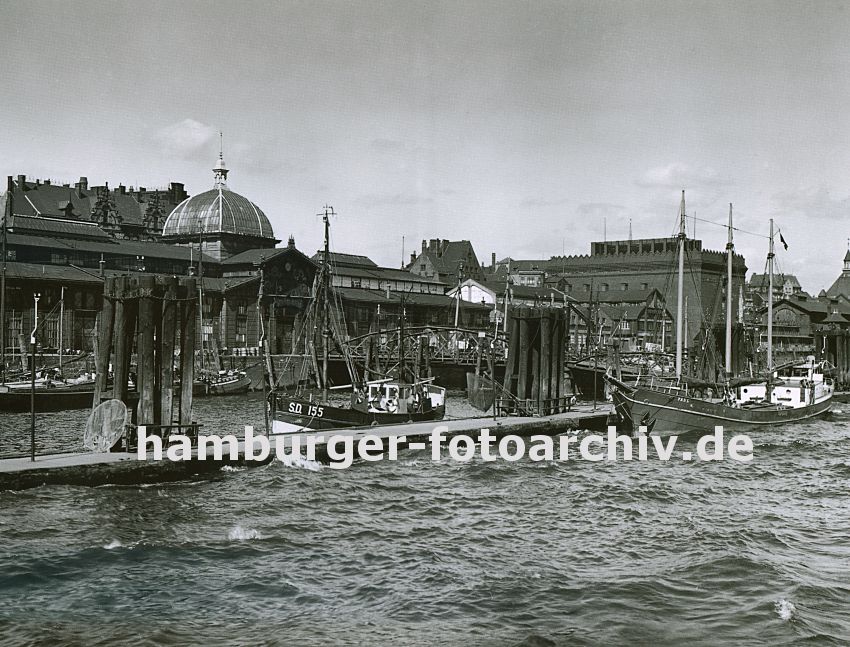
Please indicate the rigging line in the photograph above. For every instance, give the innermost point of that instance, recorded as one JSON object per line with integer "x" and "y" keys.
{"x": 726, "y": 226}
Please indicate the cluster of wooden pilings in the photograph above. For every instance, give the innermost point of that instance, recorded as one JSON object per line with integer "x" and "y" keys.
{"x": 834, "y": 346}
{"x": 156, "y": 316}
{"x": 534, "y": 375}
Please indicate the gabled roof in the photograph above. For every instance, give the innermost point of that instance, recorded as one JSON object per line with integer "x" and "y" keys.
{"x": 31, "y": 271}
{"x": 759, "y": 281}
{"x": 337, "y": 258}
{"x": 58, "y": 226}
{"x": 451, "y": 254}
{"x": 254, "y": 256}
{"x": 59, "y": 201}
{"x": 841, "y": 287}
{"x": 111, "y": 246}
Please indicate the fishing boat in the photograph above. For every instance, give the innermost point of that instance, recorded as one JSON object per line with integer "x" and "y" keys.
{"x": 50, "y": 393}
{"x": 793, "y": 394}
{"x": 385, "y": 401}
{"x": 223, "y": 383}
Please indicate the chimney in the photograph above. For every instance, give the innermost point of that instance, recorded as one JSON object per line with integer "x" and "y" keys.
{"x": 424, "y": 246}
{"x": 291, "y": 242}
{"x": 47, "y": 183}
{"x": 432, "y": 244}
{"x": 412, "y": 257}
{"x": 176, "y": 192}
{"x": 122, "y": 189}
{"x": 22, "y": 182}
{"x": 81, "y": 186}
{"x": 493, "y": 260}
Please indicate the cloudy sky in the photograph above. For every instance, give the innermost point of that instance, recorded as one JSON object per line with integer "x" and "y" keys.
{"x": 522, "y": 126}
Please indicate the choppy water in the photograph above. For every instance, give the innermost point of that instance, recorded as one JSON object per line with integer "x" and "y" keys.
{"x": 422, "y": 553}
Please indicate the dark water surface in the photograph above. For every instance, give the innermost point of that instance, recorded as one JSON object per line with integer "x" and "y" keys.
{"x": 420, "y": 553}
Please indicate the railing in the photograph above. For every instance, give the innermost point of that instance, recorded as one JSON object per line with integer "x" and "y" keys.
{"x": 511, "y": 406}
{"x": 164, "y": 432}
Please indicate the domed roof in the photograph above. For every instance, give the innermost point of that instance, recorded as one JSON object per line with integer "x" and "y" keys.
{"x": 217, "y": 211}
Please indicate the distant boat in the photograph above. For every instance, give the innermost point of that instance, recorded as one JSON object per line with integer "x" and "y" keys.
{"x": 51, "y": 394}
{"x": 225, "y": 383}
{"x": 793, "y": 394}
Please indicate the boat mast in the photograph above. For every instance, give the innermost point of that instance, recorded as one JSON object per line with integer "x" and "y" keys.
{"x": 730, "y": 252}
{"x": 401, "y": 366}
{"x": 326, "y": 332}
{"x": 61, "y": 317}
{"x": 770, "y": 303}
{"x": 680, "y": 294}
{"x": 9, "y": 209}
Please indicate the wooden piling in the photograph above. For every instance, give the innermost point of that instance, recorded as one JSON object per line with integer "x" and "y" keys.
{"x": 167, "y": 346}
{"x": 522, "y": 390}
{"x": 188, "y": 326}
{"x": 123, "y": 346}
{"x": 104, "y": 340}
{"x": 546, "y": 345}
{"x": 146, "y": 380}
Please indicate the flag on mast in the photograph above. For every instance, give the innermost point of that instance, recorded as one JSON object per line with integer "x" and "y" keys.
{"x": 782, "y": 240}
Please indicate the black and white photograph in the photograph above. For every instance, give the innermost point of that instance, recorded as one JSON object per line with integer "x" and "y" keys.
{"x": 511, "y": 323}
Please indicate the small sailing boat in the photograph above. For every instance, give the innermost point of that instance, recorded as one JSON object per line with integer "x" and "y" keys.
{"x": 385, "y": 401}
{"x": 791, "y": 394}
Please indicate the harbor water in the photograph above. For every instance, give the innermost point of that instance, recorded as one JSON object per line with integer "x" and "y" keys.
{"x": 415, "y": 552}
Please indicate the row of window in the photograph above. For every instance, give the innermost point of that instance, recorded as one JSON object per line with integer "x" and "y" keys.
{"x": 604, "y": 287}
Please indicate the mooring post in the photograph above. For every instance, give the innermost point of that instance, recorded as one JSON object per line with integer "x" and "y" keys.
{"x": 546, "y": 347}
{"x": 167, "y": 346}
{"x": 556, "y": 369}
{"x": 188, "y": 325}
{"x": 512, "y": 361}
{"x": 522, "y": 382}
{"x": 104, "y": 340}
{"x": 123, "y": 344}
{"x": 145, "y": 356}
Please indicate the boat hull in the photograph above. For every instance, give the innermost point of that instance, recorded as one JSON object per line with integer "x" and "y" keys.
{"x": 665, "y": 413}
{"x": 58, "y": 398}
{"x": 588, "y": 379}
{"x": 291, "y": 415}
{"x": 228, "y": 387}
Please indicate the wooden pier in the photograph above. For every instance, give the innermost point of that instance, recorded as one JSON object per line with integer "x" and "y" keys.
{"x": 534, "y": 381}
{"x": 158, "y": 317}
{"x": 124, "y": 468}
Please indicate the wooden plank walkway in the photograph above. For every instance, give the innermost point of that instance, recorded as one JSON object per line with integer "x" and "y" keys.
{"x": 124, "y": 468}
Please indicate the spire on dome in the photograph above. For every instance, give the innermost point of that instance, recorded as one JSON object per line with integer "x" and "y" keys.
{"x": 220, "y": 170}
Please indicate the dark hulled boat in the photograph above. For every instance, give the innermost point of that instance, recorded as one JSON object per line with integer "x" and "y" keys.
{"x": 55, "y": 396}
{"x": 380, "y": 402}
{"x": 388, "y": 403}
{"x": 669, "y": 407}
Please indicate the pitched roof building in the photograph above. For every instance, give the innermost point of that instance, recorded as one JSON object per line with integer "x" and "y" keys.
{"x": 446, "y": 261}
{"x": 120, "y": 212}
{"x": 841, "y": 287}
